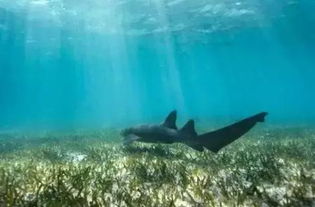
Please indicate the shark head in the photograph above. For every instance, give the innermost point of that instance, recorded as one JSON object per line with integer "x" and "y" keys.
{"x": 126, "y": 132}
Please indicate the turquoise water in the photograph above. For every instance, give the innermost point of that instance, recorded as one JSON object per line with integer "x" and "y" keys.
{"x": 109, "y": 63}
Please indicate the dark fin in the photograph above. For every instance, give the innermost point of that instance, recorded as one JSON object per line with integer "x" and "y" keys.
{"x": 170, "y": 121}
{"x": 189, "y": 128}
{"x": 196, "y": 147}
{"x": 218, "y": 139}
{"x": 260, "y": 117}
{"x": 130, "y": 139}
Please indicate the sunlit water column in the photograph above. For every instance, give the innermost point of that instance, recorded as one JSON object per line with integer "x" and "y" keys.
{"x": 171, "y": 76}
{"x": 111, "y": 72}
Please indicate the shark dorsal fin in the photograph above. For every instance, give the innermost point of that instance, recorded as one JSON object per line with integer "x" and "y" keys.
{"x": 170, "y": 121}
{"x": 189, "y": 128}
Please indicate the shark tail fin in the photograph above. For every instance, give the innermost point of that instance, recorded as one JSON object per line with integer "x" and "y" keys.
{"x": 260, "y": 117}
{"x": 216, "y": 140}
{"x": 170, "y": 121}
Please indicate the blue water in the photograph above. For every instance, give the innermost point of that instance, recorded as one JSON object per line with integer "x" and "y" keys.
{"x": 74, "y": 64}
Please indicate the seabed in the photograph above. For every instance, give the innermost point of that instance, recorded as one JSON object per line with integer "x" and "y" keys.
{"x": 275, "y": 167}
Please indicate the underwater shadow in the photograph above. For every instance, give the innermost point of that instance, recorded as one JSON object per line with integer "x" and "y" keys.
{"x": 156, "y": 150}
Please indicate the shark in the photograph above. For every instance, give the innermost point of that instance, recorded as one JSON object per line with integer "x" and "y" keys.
{"x": 168, "y": 133}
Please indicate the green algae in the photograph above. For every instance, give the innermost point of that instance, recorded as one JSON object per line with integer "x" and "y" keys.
{"x": 270, "y": 168}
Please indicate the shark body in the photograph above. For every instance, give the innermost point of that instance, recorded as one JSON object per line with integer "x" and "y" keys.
{"x": 168, "y": 133}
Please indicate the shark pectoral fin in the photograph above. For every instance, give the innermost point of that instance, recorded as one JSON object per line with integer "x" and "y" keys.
{"x": 130, "y": 139}
{"x": 189, "y": 129}
{"x": 170, "y": 121}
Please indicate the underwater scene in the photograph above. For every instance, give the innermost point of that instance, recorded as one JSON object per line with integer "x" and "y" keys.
{"x": 139, "y": 103}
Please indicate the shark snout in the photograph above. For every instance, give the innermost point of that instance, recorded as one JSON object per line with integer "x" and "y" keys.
{"x": 125, "y": 132}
